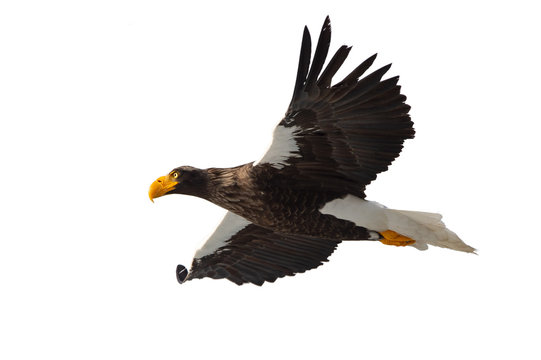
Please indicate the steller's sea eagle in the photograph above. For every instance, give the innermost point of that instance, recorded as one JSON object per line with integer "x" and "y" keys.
{"x": 288, "y": 211}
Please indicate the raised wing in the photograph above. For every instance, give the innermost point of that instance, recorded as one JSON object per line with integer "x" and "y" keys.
{"x": 246, "y": 253}
{"x": 338, "y": 137}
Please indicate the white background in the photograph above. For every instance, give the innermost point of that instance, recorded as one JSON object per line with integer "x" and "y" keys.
{"x": 99, "y": 98}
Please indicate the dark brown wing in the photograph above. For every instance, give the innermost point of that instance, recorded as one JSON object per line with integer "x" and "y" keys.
{"x": 246, "y": 253}
{"x": 339, "y": 137}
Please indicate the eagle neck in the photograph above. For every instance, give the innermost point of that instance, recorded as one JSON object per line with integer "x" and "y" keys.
{"x": 230, "y": 188}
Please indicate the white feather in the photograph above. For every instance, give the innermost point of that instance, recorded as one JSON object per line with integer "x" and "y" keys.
{"x": 282, "y": 148}
{"x": 230, "y": 225}
{"x": 425, "y": 228}
{"x": 368, "y": 214}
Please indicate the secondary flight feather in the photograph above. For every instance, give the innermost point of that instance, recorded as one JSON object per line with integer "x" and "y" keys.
{"x": 289, "y": 210}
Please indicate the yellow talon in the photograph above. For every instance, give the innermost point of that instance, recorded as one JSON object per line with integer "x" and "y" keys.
{"x": 393, "y": 238}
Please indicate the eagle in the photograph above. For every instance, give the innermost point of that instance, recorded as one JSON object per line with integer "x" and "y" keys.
{"x": 288, "y": 211}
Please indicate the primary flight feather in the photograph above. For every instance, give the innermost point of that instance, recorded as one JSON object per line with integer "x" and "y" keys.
{"x": 289, "y": 210}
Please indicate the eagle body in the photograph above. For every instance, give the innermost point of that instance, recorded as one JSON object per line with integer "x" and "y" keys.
{"x": 289, "y": 210}
{"x": 265, "y": 198}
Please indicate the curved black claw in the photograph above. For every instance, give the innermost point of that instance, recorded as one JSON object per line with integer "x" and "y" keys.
{"x": 182, "y": 272}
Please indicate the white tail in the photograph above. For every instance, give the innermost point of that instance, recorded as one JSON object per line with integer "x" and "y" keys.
{"x": 425, "y": 228}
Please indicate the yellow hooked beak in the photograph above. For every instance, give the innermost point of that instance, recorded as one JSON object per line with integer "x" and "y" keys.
{"x": 161, "y": 186}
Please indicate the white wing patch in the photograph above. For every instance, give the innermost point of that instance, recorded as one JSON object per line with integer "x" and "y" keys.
{"x": 282, "y": 148}
{"x": 230, "y": 225}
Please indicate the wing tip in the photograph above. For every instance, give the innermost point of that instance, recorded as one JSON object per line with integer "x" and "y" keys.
{"x": 327, "y": 23}
{"x": 182, "y": 273}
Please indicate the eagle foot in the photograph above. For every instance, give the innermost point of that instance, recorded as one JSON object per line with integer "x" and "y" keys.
{"x": 393, "y": 238}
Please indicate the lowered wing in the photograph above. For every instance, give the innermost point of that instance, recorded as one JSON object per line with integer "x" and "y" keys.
{"x": 246, "y": 253}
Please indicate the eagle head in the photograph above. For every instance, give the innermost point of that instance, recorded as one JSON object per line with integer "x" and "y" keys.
{"x": 185, "y": 180}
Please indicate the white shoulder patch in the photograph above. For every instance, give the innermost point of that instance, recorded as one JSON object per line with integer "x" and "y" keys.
{"x": 230, "y": 225}
{"x": 282, "y": 148}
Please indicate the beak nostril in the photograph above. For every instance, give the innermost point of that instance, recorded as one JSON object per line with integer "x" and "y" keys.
{"x": 159, "y": 187}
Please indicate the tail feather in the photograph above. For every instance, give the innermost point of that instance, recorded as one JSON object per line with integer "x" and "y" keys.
{"x": 425, "y": 228}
